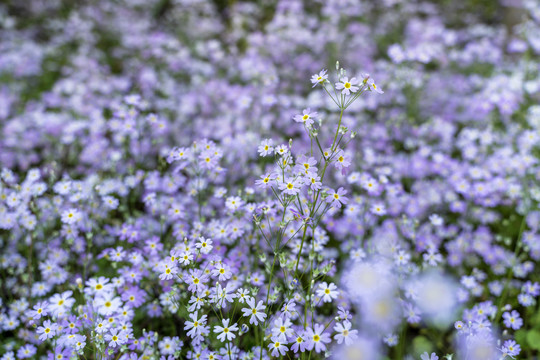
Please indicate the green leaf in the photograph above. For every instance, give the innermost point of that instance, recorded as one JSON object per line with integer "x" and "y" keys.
{"x": 521, "y": 337}
{"x": 533, "y": 339}
{"x": 421, "y": 344}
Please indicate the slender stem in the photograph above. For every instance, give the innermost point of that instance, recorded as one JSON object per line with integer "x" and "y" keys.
{"x": 317, "y": 196}
{"x": 511, "y": 270}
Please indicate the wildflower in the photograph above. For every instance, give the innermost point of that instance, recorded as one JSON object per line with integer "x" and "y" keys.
{"x": 101, "y": 327}
{"x": 299, "y": 344}
{"x": 264, "y": 182}
{"x": 291, "y": 186}
{"x": 306, "y": 166}
{"x": 233, "y": 203}
{"x": 195, "y": 327}
{"x": 98, "y": 286}
{"x": 26, "y": 351}
{"x": 432, "y": 257}
{"x": 278, "y": 348}
{"x": 426, "y": 356}
{"x": 531, "y": 288}
{"x": 402, "y": 258}
{"x": 347, "y": 86}
{"x": 196, "y": 280}
{"x": 47, "y": 331}
{"x": 176, "y": 211}
{"x": 336, "y": 198}
{"x": 319, "y": 78}
{"x": 412, "y": 313}
{"x": 368, "y": 80}
{"x": 71, "y": 216}
{"x": 80, "y": 342}
{"x": 205, "y": 245}
{"x": 317, "y": 338}
{"x": 436, "y": 220}
{"x": 370, "y": 185}
{"x": 289, "y": 308}
{"x": 39, "y": 310}
{"x": 313, "y": 181}
{"x": 344, "y": 333}
{"x": 281, "y": 150}
{"x": 61, "y": 302}
{"x": 511, "y": 348}
{"x": 266, "y": 148}
{"x": 282, "y": 329}
{"x": 110, "y": 201}
{"x": 378, "y": 209}
{"x": 225, "y": 331}
{"x": 178, "y": 154}
{"x": 391, "y": 339}
{"x": 342, "y": 160}
{"x": 242, "y": 295}
{"x": 256, "y": 313}
{"x": 108, "y": 304}
{"x": 327, "y": 292}
{"x": 115, "y": 337}
{"x": 512, "y": 320}
{"x": 185, "y": 258}
{"x": 343, "y": 313}
{"x": 167, "y": 272}
{"x": 307, "y": 117}
{"x": 525, "y": 300}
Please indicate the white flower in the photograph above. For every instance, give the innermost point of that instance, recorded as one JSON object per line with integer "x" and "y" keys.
{"x": 266, "y": 148}
{"x": 282, "y": 329}
{"x": 115, "y": 338}
{"x": 347, "y": 86}
{"x": 277, "y": 347}
{"x": 256, "y": 312}
{"x": 345, "y": 333}
{"x": 71, "y": 216}
{"x": 196, "y": 326}
{"x": 327, "y": 292}
{"x": 319, "y": 78}
{"x": 225, "y": 331}
{"x": 47, "y": 331}
{"x": 205, "y": 245}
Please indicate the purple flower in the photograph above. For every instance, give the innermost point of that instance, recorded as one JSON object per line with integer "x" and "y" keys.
{"x": 512, "y": 320}
{"x": 319, "y": 78}
{"x": 291, "y": 186}
{"x": 307, "y": 117}
{"x": 336, "y": 198}
{"x": 317, "y": 338}
{"x": 511, "y": 348}
{"x": 347, "y": 86}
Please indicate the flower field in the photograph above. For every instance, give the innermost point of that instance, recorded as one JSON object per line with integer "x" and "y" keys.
{"x": 281, "y": 179}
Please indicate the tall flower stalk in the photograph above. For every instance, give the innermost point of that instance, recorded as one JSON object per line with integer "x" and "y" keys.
{"x": 298, "y": 185}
